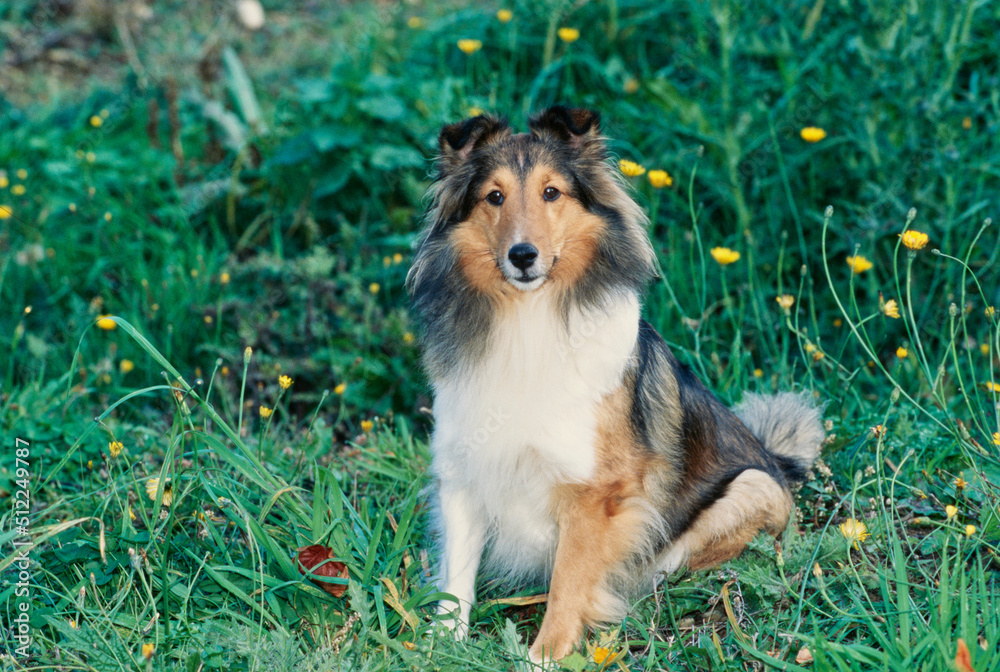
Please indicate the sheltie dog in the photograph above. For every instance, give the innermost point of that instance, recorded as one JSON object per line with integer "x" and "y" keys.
{"x": 570, "y": 445}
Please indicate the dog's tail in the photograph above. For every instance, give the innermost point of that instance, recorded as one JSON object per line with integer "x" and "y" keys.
{"x": 790, "y": 425}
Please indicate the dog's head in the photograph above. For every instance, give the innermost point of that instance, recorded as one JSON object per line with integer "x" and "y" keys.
{"x": 520, "y": 211}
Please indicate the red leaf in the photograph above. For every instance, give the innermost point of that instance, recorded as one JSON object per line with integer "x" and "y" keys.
{"x": 316, "y": 559}
{"x": 963, "y": 661}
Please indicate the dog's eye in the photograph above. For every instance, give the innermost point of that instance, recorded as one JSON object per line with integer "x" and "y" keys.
{"x": 550, "y": 193}
{"x": 494, "y": 197}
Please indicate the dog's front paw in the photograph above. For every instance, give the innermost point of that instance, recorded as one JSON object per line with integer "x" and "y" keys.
{"x": 451, "y": 618}
{"x": 546, "y": 653}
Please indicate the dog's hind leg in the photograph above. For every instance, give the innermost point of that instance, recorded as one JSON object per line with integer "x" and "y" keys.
{"x": 598, "y": 529}
{"x": 753, "y": 502}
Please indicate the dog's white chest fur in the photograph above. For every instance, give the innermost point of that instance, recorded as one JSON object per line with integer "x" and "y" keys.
{"x": 524, "y": 419}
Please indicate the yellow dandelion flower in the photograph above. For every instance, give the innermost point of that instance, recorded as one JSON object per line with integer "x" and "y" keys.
{"x": 148, "y": 649}
{"x": 415, "y": 22}
{"x": 724, "y": 256}
{"x": 265, "y": 412}
{"x": 504, "y": 15}
{"x": 126, "y": 365}
{"x": 115, "y": 448}
{"x": 914, "y": 240}
{"x": 4, "y": 182}
{"x": 891, "y": 309}
{"x": 18, "y": 190}
{"x": 90, "y": 464}
{"x": 992, "y": 387}
{"x": 631, "y": 168}
{"x": 970, "y": 530}
{"x": 468, "y": 46}
{"x": 408, "y": 337}
{"x": 902, "y": 352}
{"x": 967, "y": 123}
{"x": 247, "y": 354}
{"x": 72, "y": 207}
{"x": 960, "y": 483}
{"x": 96, "y": 121}
{"x": 631, "y": 85}
{"x": 568, "y": 35}
{"x": 367, "y": 425}
{"x": 810, "y": 347}
{"x": 106, "y": 323}
{"x": 601, "y": 654}
{"x": 990, "y": 311}
{"x": 996, "y": 438}
{"x": 22, "y": 174}
{"x": 818, "y": 355}
{"x": 285, "y": 382}
{"x": 812, "y": 134}
{"x": 340, "y": 389}
{"x": 387, "y": 261}
{"x": 838, "y": 322}
{"x": 951, "y": 511}
{"x": 131, "y": 513}
{"x": 91, "y": 157}
{"x": 153, "y": 484}
{"x": 107, "y": 216}
{"x": 374, "y": 287}
{"x": 224, "y": 278}
{"x": 859, "y": 264}
{"x": 660, "y": 179}
{"x": 72, "y": 623}
{"x": 6, "y": 212}
{"x": 475, "y": 111}
{"x": 397, "y": 258}
{"x": 984, "y": 348}
{"x": 854, "y": 531}
{"x": 786, "y": 301}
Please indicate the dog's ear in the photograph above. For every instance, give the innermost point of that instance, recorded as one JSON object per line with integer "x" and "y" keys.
{"x": 457, "y": 141}
{"x": 577, "y": 127}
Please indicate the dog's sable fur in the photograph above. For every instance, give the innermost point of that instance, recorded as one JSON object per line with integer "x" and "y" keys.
{"x": 570, "y": 444}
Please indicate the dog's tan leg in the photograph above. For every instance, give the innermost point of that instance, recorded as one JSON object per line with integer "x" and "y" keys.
{"x": 753, "y": 502}
{"x": 598, "y": 527}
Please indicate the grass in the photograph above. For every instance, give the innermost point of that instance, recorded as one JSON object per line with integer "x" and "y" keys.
{"x": 232, "y": 189}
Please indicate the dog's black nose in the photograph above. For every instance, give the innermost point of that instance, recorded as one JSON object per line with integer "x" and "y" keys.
{"x": 523, "y": 255}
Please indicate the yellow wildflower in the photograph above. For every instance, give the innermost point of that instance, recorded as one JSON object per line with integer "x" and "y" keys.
{"x": 812, "y": 134}
{"x": 247, "y": 354}
{"x": 810, "y": 347}
{"x": 408, "y": 337}
{"x": 631, "y": 85}
{"x": 367, "y": 425}
{"x": 660, "y": 179}
{"x": 131, "y": 513}
{"x": 724, "y": 256}
{"x": 902, "y": 352}
{"x": 153, "y": 484}
{"x": 996, "y": 438}
{"x": 468, "y": 46}
{"x": 984, "y": 348}
{"x": 72, "y": 207}
{"x": 891, "y": 309}
{"x": 859, "y": 264}
{"x": 838, "y": 322}
{"x": 22, "y": 174}
{"x": 148, "y": 649}
{"x": 415, "y": 22}
{"x": 601, "y": 654}
{"x": 126, "y": 365}
{"x": 473, "y": 111}
{"x": 631, "y": 168}
{"x": 990, "y": 312}
{"x": 967, "y": 123}
{"x": 387, "y": 260}
{"x": 970, "y": 530}
{"x": 265, "y": 412}
{"x": 504, "y": 15}
{"x": 992, "y": 387}
{"x": 115, "y": 448}
{"x": 374, "y": 287}
{"x": 4, "y": 182}
{"x": 18, "y": 190}
{"x": 951, "y": 511}
{"x": 91, "y": 157}
{"x": 915, "y": 240}
{"x": 854, "y": 531}
{"x": 285, "y": 382}
{"x": 106, "y": 323}
{"x": 340, "y": 389}
{"x": 224, "y": 278}
{"x": 786, "y": 301}
{"x": 758, "y": 373}
{"x": 96, "y": 121}
{"x": 397, "y": 258}
{"x": 818, "y": 355}
{"x": 568, "y": 34}
{"x": 960, "y": 483}
{"x": 107, "y": 216}
{"x": 6, "y": 212}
